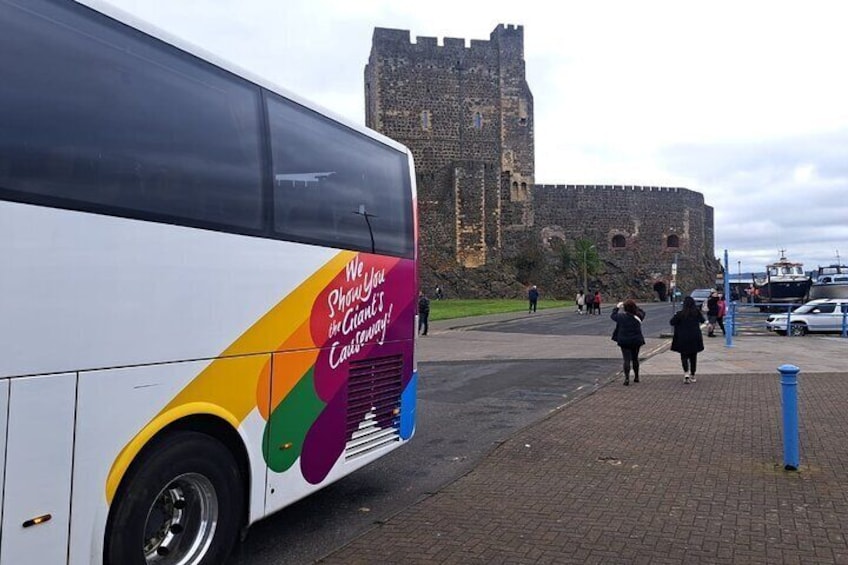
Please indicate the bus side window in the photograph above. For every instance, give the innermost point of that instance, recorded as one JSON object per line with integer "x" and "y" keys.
{"x": 335, "y": 188}
{"x": 102, "y": 120}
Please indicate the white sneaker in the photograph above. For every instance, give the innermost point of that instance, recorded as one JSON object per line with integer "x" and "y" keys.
{"x": 686, "y": 380}
{"x": 692, "y": 379}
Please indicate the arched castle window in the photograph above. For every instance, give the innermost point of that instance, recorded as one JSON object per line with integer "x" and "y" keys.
{"x": 524, "y": 187}
{"x": 619, "y": 241}
{"x": 478, "y": 120}
{"x": 425, "y": 120}
{"x": 672, "y": 241}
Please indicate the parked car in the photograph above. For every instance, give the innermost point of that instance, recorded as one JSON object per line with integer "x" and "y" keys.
{"x": 820, "y": 315}
{"x": 699, "y": 295}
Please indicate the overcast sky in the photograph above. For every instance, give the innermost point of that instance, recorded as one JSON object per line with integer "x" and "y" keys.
{"x": 743, "y": 101}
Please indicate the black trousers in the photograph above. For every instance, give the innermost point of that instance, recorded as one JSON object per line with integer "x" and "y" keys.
{"x": 630, "y": 355}
{"x": 422, "y": 323}
{"x": 689, "y": 362}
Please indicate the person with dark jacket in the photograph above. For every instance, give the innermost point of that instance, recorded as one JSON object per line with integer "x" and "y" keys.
{"x": 590, "y": 302}
{"x": 628, "y": 336}
{"x": 687, "y": 339}
{"x": 423, "y": 313}
{"x": 533, "y": 297}
{"x": 712, "y": 314}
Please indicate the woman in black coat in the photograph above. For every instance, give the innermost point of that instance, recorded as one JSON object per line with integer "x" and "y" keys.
{"x": 688, "y": 340}
{"x": 628, "y": 336}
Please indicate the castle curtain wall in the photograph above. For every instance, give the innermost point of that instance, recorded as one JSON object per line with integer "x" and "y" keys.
{"x": 466, "y": 112}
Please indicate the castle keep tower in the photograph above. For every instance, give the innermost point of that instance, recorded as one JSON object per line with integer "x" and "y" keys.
{"x": 485, "y": 227}
{"x": 466, "y": 113}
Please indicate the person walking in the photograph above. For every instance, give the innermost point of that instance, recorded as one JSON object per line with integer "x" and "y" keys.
{"x": 597, "y": 302}
{"x": 438, "y": 292}
{"x": 712, "y": 314}
{"x": 628, "y": 335}
{"x": 581, "y": 301}
{"x": 687, "y": 339}
{"x": 590, "y": 303}
{"x": 533, "y": 297}
{"x": 423, "y": 313}
{"x": 722, "y": 310}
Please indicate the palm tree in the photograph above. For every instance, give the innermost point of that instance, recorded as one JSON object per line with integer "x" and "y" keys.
{"x": 586, "y": 255}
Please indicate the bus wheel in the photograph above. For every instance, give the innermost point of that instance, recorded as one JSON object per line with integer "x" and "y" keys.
{"x": 181, "y": 502}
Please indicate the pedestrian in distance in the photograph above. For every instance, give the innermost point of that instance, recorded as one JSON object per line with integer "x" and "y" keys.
{"x": 533, "y": 297}
{"x": 722, "y": 310}
{"x": 439, "y": 295}
{"x": 590, "y": 303}
{"x": 688, "y": 339}
{"x": 423, "y": 313}
{"x": 597, "y": 302}
{"x": 581, "y": 301}
{"x": 712, "y": 314}
{"x": 628, "y": 335}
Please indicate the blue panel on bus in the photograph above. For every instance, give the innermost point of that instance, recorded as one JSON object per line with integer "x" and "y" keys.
{"x": 407, "y": 407}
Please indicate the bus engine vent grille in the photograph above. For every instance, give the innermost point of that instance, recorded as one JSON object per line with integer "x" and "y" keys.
{"x": 373, "y": 410}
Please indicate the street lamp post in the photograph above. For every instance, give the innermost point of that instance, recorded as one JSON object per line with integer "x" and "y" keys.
{"x": 585, "y": 275}
{"x": 738, "y": 279}
{"x": 674, "y": 285}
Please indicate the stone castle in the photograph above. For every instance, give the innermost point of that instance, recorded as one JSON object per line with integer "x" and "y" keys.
{"x": 486, "y": 227}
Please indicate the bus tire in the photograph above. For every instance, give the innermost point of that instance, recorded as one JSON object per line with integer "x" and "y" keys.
{"x": 182, "y": 501}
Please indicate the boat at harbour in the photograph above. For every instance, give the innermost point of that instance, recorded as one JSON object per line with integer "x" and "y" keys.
{"x": 830, "y": 282}
{"x": 785, "y": 281}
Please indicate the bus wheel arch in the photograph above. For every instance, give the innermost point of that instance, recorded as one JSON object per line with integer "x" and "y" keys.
{"x": 189, "y": 482}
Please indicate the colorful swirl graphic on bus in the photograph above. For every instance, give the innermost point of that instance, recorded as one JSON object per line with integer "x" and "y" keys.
{"x": 354, "y": 307}
{"x": 368, "y": 305}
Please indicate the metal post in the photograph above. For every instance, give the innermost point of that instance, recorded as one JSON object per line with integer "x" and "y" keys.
{"x": 789, "y": 397}
{"x": 585, "y": 270}
{"x": 585, "y": 285}
{"x": 728, "y": 331}
{"x": 674, "y": 285}
{"x": 844, "y": 320}
{"x": 789, "y": 322}
{"x": 728, "y": 322}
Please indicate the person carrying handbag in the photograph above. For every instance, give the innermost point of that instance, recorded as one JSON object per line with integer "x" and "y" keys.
{"x": 628, "y": 335}
{"x": 688, "y": 339}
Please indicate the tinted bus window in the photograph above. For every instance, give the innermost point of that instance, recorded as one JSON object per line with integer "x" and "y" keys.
{"x": 98, "y": 117}
{"x": 337, "y": 188}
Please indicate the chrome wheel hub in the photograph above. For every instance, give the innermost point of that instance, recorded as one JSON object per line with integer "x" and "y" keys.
{"x": 181, "y": 522}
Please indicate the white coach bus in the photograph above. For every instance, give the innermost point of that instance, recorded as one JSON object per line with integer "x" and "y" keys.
{"x": 207, "y": 294}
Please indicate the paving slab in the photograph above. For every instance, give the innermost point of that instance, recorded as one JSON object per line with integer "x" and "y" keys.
{"x": 656, "y": 472}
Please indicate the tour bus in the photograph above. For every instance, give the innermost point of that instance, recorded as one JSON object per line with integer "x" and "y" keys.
{"x": 207, "y": 293}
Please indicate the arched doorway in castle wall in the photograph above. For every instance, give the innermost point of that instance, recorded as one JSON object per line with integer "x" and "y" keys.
{"x": 662, "y": 290}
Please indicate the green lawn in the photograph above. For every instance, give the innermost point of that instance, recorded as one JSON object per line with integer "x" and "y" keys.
{"x": 448, "y": 309}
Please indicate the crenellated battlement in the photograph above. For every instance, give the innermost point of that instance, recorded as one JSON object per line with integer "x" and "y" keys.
{"x": 433, "y": 46}
{"x": 612, "y": 188}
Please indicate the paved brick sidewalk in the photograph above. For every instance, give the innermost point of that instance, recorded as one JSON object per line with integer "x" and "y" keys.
{"x": 658, "y": 472}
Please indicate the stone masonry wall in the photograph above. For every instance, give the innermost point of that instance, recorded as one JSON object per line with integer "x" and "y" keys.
{"x": 466, "y": 112}
{"x": 632, "y": 227}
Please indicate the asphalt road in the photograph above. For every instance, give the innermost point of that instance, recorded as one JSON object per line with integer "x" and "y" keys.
{"x": 567, "y": 323}
{"x": 465, "y": 409}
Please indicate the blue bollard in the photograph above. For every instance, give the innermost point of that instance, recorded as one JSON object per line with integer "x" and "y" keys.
{"x": 789, "y": 396}
{"x": 729, "y": 324}
{"x": 728, "y": 330}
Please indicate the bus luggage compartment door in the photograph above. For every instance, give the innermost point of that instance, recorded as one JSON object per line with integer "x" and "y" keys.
{"x": 37, "y": 481}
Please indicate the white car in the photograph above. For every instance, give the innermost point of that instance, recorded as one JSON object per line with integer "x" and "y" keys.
{"x": 821, "y": 315}
{"x": 701, "y": 295}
